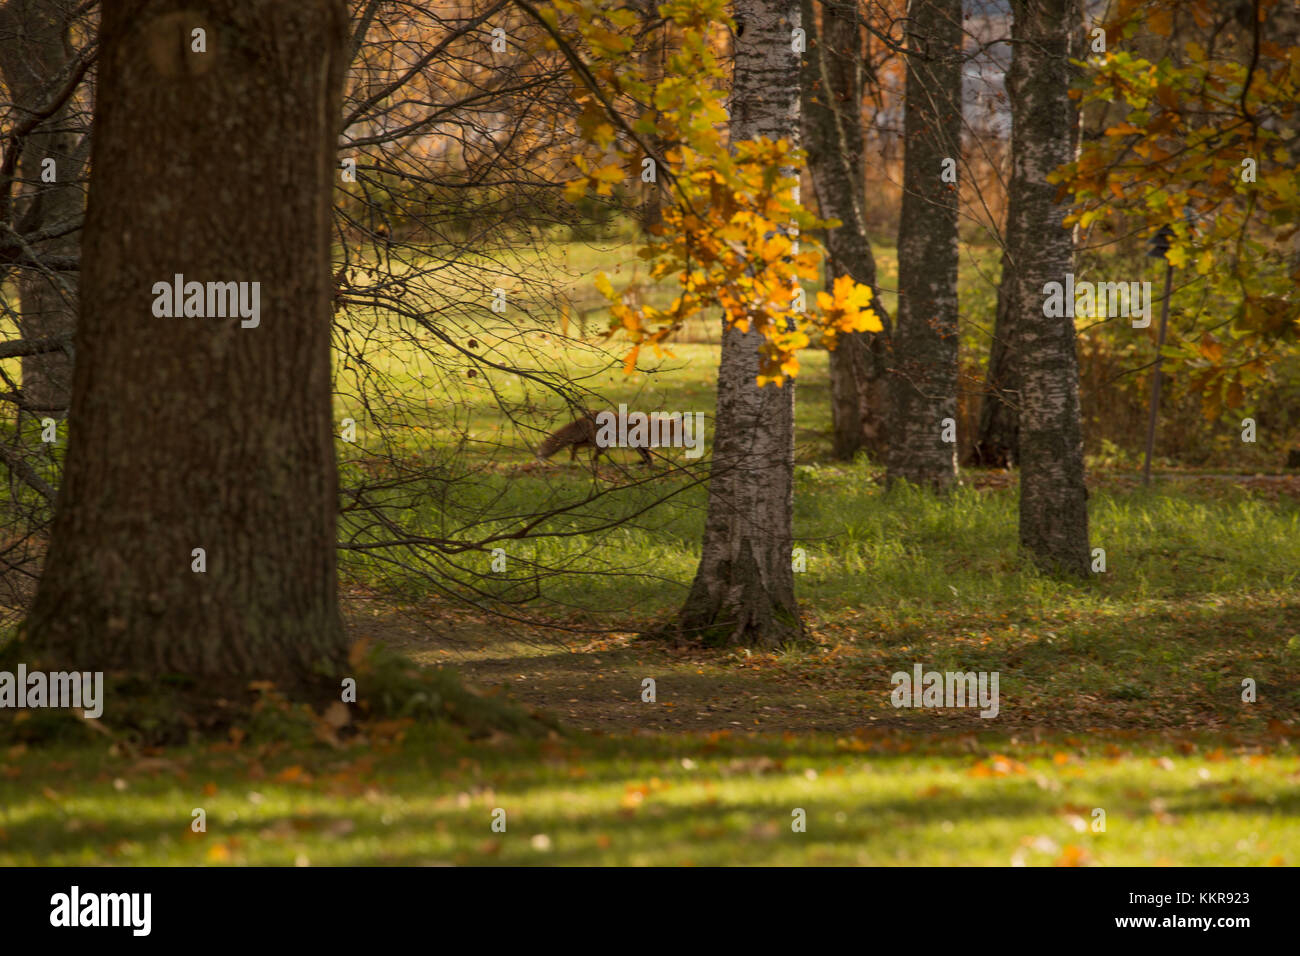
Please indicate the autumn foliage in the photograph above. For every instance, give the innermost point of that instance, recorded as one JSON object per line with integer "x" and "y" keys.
{"x": 735, "y": 236}
{"x": 1205, "y": 144}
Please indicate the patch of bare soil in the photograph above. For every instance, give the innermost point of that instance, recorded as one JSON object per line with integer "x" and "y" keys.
{"x": 598, "y": 684}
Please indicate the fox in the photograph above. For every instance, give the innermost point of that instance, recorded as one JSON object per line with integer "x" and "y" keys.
{"x": 579, "y": 433}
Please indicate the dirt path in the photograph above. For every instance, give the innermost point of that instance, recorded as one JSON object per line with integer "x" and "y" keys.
{"x": 597, "y": 685}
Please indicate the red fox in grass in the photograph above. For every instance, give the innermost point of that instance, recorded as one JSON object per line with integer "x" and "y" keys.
{"x": 579, "y": 433}
{"x": 605, "y": 430}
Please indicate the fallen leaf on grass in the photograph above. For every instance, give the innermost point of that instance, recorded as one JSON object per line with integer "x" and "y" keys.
{"x": 1073, "y": 856}
{"x": 997, "y": 766}
{"x": 218, "y": 853}
{"x": 294, "y": 774}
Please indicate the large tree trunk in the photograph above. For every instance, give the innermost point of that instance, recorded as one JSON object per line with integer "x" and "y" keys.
{"x": 996, "y": 442}
{"x": 743, "y": 591}
{"x": 34, "y": 49}
{"x": 923, "y": 383}
{"x": 1053, "y": 496}
{"x": 199, "y": 432}
{"x": 833, "y": 140}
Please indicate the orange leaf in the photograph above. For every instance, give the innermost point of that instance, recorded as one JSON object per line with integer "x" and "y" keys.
{"x": 1073, "y": 856}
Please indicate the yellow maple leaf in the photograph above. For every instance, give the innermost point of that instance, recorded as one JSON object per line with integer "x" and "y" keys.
{"x": 605, "y": 177}
{"x": 848, "y": 307}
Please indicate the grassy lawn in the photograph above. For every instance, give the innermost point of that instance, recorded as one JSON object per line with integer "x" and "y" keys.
{"x": 867, "y": 798}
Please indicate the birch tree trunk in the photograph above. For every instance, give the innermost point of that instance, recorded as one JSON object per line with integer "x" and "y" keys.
{"x": 923, "y": 379}
{"x": 198, "y": 432}
{"x": 1053, "y": 496}
{"x": 832, "y": 129}
{"x": 743, "y": 592}
{"x": 996, "y": 442}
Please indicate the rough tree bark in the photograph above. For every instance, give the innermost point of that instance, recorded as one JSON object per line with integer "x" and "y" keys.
{"x": 743, "y": 592}
{"x": 996, "y": 442}
{"x": 923, "y": 383}
{"x": 196, "y": 432}
{"x": 1053, "y": 496}
{"x": 833, "y": 140}
{"x": 34, "y": 49}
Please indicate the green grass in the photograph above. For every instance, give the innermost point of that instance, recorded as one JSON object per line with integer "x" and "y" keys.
{"x": 897, "y": 556}
{"x": 878, "y": 800}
